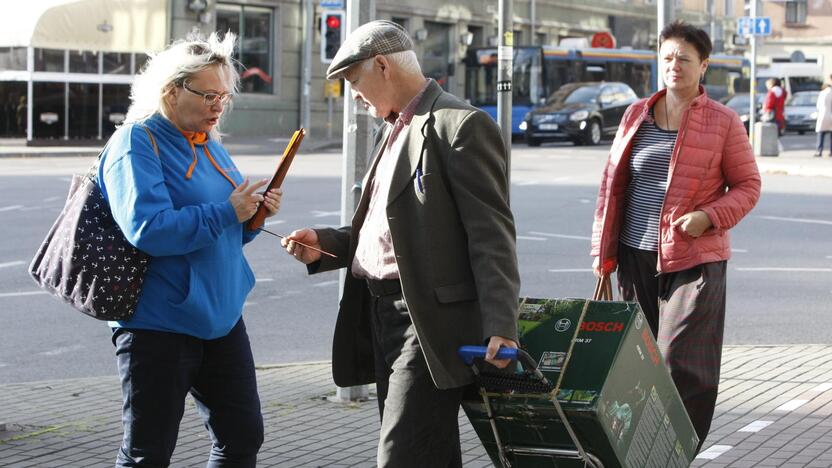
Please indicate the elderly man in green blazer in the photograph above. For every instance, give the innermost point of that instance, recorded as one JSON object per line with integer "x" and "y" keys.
{"x": 430, "y": 251}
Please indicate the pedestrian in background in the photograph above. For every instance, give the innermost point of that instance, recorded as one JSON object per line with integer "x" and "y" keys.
{"x": 185, "y": 207}
{"x": 823, "y": 126}
{"x": 680, "y": 174}
{"x": 774, "y": 104}
{"x": 430, "y": 252}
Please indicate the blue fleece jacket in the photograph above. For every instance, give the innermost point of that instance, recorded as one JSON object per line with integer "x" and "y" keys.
{"x": 198, "y": 278}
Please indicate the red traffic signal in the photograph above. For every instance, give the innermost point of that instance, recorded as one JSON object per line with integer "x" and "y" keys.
{"x": 332, "y": 34}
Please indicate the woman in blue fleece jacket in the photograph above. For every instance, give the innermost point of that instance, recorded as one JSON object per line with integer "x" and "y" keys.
{"x": 185, "y": 208}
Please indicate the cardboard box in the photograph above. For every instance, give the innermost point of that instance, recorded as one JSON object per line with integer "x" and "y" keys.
{"x": 616, "y": 392}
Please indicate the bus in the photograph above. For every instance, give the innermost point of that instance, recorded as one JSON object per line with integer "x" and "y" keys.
{"x": 540, "y": 71}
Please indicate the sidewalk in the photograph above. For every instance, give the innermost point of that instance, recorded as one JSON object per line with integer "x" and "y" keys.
{"x": 774, "y": 409}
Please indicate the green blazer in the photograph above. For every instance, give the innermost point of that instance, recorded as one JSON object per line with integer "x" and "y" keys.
{"x": 454, "y": 238}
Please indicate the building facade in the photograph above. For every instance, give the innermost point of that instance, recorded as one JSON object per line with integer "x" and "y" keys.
{"x": 73, "y": 84}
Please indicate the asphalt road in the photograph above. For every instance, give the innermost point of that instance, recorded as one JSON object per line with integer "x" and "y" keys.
{"x": 778, "y": 288}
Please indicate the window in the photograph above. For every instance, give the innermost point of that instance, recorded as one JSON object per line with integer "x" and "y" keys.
{"x": 253, "y": 26}
{"x": 796, "y": 12}
{"x": 12, "y": 58}
{"x": 82, "y": 61}
{"x": 49, "y": 60}
{"x": 116, "y": 63}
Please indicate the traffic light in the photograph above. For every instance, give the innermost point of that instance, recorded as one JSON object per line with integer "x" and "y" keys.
{"x": 332, "y": 34}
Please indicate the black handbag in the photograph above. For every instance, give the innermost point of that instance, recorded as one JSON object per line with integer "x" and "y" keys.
{"x": 85, "y": 259}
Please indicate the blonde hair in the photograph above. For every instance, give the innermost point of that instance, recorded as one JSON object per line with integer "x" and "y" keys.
{"x": 179, "y": 62}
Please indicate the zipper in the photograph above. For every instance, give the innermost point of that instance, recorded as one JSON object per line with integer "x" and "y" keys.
{"x": 674, "y": 156}
{"x": 633, "y": 129}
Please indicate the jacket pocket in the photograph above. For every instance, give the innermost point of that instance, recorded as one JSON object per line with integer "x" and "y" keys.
{"x": 458, "y": 292}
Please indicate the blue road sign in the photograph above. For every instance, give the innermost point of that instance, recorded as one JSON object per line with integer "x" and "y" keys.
{"x": 333, "y": 4}
{"x": 759, "y": 26}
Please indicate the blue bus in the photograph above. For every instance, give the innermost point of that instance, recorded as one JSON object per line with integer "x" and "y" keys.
{"x": 540, "y": 71}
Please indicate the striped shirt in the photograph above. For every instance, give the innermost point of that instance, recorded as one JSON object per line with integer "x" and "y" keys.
{"x": 649, "y": 165}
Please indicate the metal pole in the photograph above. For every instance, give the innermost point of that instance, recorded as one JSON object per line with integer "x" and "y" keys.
{"x": 306, "y": 67}
{"x": 663, "y": 9}
{"x": 329, "y": 106}
{"x": 357, "y": 136}
{"x": 30, "y": 68}
{"x": 752, "y": 81}
{"x": 505, "y": 67}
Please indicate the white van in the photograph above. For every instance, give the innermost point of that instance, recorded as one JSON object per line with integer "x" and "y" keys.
{"x": 803, "y": 76}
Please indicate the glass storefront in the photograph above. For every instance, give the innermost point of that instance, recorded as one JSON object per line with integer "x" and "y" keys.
{"x": 49, "y": 110}
{"x": 253, "y": 26}
{"x": 116, "y": 100}
{"x": 13, "y": 112}
{"x": 437, "y": 50}
{"x": 83, "y": 110}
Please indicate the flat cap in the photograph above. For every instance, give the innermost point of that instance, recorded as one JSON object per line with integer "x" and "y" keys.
{"x": 368, "y": 40}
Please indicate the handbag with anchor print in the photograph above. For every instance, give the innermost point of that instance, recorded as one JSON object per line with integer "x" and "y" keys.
{"x": 85, "y": 259}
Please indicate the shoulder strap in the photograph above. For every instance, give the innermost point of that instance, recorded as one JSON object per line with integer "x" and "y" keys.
{"x": 152, "y": 140}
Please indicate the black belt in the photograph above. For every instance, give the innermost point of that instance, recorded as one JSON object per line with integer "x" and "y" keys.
{"x": 379, "y": 288}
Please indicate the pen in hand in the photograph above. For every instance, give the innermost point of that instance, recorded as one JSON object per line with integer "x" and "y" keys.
{"x": 300, "y": 243}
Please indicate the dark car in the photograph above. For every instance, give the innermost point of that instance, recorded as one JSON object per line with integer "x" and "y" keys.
{"x": 801, "y": 113}
{"x": 580, "y": 112}
{"x": 740, "y": 104}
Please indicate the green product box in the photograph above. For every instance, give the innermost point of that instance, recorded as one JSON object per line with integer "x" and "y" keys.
{"x": 616, "y": 392}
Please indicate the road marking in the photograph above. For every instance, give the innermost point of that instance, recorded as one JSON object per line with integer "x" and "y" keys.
{"x": 739, "y": 250}
{"x": 324, "y": 226}
{"x": 791, "y": 405}
{"x": 822, "y": 387}
{"x": 61, "y": 350}
{"x": 11, "y": 207}
{"x": 50, "y": 199}
{"x": 797, "y": 220}
{"x": 325, "y": 283}
{"x": 714, "y": 451}
{"x": 807, "y": 270}
{"x": 587, "y": 200}
{"x": 527, "y": 182}
{"x": 560, "y": 236}
{"x": 266, "y": 280}
{"x": 249, "y": 303}
{"x": 570, "y": 270}
{"x": 23, "y": 293}
{"x": 280, "y": 221}
{"x": 321, "y": 214}
{"x": 14, "y": 263}
{"x": 531, "y": 238}
{"x": 756, "y": 426}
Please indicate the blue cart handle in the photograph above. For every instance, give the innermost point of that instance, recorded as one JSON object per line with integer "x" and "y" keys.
{"x": 468, "y": 353}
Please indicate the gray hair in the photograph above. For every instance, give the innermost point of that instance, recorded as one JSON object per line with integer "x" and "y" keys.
{"x": 406, "y": 60}
{"x": 176, "y": 64}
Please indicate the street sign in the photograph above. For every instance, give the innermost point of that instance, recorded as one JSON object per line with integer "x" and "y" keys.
{"x": 334, "y": 4}
{"x": 750, "y": 26}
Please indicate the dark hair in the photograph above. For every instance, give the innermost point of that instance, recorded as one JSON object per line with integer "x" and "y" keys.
{"x": 777, "y": 82}
{"x": 689, "y": 33}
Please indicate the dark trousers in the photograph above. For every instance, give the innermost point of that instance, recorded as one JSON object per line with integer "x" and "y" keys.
{"x": 821, "y": 137}
{"x": 159, "y": 369}
{"x": 686, "y": 312}
{"x": 419, "y": 426}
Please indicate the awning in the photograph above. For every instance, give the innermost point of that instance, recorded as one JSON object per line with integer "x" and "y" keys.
{"x": 96, "y": 25}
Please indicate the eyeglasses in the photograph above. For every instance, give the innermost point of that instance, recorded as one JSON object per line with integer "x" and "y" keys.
{"x": 209, "y": 99}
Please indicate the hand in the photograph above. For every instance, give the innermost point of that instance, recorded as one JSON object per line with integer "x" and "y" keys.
{"x": 694, "y": 223}
{"x": 494, "y": 344}
{"x": 609, "y": 267}
{"x": 272, "y": 201}
{"x": 301, "y": 253}
{"x": 245, "y": 200}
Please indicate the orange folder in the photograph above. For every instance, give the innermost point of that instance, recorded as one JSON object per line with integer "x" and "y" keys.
{"x": 256, "y": 221}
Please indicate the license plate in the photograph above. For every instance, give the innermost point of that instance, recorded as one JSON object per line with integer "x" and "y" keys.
{"x": 548, "y": 126}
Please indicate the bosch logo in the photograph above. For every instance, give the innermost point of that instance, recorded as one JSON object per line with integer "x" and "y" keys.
{"x": 602, "y": 327}
{"x": 563, "y": 324}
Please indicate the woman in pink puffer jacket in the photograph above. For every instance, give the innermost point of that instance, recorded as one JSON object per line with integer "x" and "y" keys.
{"x": 680, "y": 174}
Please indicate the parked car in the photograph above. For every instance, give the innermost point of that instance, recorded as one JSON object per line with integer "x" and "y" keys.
{"x": 801, "y": 112}
{"x": 740, "y": 103}
{"x": 580, "y": 112}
